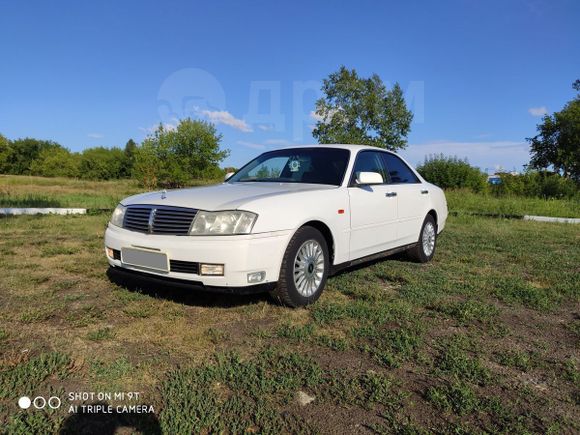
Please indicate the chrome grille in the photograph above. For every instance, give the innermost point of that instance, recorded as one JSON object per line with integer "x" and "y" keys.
{"x": 158, "y": 219}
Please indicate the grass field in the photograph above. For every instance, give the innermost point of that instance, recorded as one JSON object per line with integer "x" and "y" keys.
{"x": 484, "y": 338}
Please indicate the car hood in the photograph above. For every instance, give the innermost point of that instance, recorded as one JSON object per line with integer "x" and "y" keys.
{"x": 226, "y": 196}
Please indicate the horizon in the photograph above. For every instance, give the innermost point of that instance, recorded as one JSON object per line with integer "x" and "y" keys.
{"x": 102, "y": 74}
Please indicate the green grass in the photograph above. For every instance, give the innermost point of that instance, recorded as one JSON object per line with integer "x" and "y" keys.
{"x": 469, "y": 311}
{"x": 482, "y": 339}
{"x": 25, "y": 378}
{"x": 455, "y": 360}
{"x": 464, "y": 201}
{"x": 41, "y": 192}
{"x": 523, "y": 361}
{"x": 234, "y": 395}
{"x": 101, "y": 334}
{"x": 457, "y": 397}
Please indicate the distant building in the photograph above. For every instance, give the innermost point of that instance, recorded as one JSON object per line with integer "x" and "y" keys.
{"x": 494, "y": 179}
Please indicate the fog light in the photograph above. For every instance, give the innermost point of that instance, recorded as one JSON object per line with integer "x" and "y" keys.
{"x": 110, "y": 253}
{"x": 256, "y": 277}
{"x": 211, "y": 269}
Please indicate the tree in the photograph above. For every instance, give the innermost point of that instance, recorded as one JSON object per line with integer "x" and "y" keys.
{"x": 58, "y": 162}
{"x": 357, "y": 110}
{"x": 173, "y": 157}
{"x": 24, "y": 151}
{"x": 129, "y": 160}
{"x": 101, "y": 163}
{"x": 557, "y": 143}
{"x": 5, "y": 155}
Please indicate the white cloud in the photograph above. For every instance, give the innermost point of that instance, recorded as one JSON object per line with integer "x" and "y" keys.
{"x": 315, "y": 116}
{"x": 319, "y": 118}
{"x": 538, "y": 111}
{"x": 225, "y": 117}
{"x": 484, "y": 154}
{"x": 95, "y": 135}
{"x": 166, "y": 125}
{"x": 257, "y": 146}
{"x": 265, "y": 127}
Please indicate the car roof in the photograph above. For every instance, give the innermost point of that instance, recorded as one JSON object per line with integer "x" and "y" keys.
{"x": 340, "y": 146}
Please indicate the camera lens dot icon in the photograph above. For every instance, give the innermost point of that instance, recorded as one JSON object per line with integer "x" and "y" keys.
{"x": 24, "y": 402}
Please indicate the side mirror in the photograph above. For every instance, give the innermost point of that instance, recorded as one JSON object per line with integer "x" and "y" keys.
{"x": 366, "y": 178}
{"x": 228, "y": 176}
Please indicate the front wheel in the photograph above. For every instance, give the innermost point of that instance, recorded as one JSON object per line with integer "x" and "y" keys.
{"x": 304, "y": 269}
{"x": 424, "y": 250}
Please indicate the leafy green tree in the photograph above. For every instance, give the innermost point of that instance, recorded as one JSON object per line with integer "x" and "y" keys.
{"x": 24, "y": 151}
{"x": 5, "y": 155}
{"x": 58, "y": 162}
{"x": 101, "y": 163}
{"x": 357, "y": 110}
{"x": 129, "y": 160}
{"x": 173, "y": 157}
{"x": 557, "y": 143}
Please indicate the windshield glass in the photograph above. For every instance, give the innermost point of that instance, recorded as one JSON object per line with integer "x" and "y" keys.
{"x": 318, "y": 165}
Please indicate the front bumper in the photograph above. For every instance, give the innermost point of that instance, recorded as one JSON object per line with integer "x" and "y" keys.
{"x": 241, "y": 254}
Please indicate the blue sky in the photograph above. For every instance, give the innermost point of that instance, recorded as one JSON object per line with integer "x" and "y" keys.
{"x": 477, "y": 74}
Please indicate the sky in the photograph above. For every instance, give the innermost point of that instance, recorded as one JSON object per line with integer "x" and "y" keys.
{"x": 478, "y": 75}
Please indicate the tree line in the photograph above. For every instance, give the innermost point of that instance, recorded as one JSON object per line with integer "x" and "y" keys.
{"x": 166, "y": 158}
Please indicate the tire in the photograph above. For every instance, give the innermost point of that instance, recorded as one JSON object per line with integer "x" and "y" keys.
{"x": 308, "y": 285}
{"x": 423, "y": 252}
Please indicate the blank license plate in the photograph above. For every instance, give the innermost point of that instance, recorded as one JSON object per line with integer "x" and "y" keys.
{"x": 146, "y": 259}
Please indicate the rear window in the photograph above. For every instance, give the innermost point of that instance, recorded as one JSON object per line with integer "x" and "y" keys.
{"x": 399, "y": 172}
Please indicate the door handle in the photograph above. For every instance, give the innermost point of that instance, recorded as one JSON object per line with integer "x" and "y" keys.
{"x": 424, "y": 192}
{"x": 390, "y": 194}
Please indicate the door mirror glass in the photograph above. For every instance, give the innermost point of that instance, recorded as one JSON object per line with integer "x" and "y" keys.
{"x": 366, "y": 178}
{"x": 228, "y": 176}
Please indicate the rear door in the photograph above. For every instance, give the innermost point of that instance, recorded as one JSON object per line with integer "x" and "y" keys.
{"x": 412, "y": 198}
{"x": 373, "y": 209}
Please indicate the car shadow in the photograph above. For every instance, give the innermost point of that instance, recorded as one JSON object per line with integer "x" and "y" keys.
{"x": 105, "y": 423}
{"x": 181, "y": 293}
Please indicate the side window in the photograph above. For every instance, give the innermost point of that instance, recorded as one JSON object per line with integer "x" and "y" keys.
{"x": 369, "y": 161}
{"x": 399, "y": 172}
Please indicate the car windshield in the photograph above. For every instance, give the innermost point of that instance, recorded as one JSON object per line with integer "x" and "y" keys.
{"x": 318, "y": 165}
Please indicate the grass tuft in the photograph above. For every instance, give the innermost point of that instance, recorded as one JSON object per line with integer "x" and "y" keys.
{"x": 26, "y": 377}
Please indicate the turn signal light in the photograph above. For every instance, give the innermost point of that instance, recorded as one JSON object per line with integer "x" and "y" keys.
{"x": 211, "y": 269}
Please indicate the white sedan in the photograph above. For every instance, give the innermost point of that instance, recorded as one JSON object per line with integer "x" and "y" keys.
{"x": 282, "y": 223}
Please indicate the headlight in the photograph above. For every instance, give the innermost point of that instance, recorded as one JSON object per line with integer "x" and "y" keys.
{"x": 222, "y": 223}
{"x": 118, "y": 215}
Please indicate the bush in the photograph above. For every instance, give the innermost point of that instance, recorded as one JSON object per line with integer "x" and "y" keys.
{"x": 540, "y": 184}
{"x": 452, "y": 172}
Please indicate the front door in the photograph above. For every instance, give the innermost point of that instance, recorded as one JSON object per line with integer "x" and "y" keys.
{"x": 373, "y": 209}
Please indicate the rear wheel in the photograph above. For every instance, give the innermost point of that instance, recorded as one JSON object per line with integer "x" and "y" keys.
{"x": 424, "y": 250}
{"x": 304, "y": 269}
